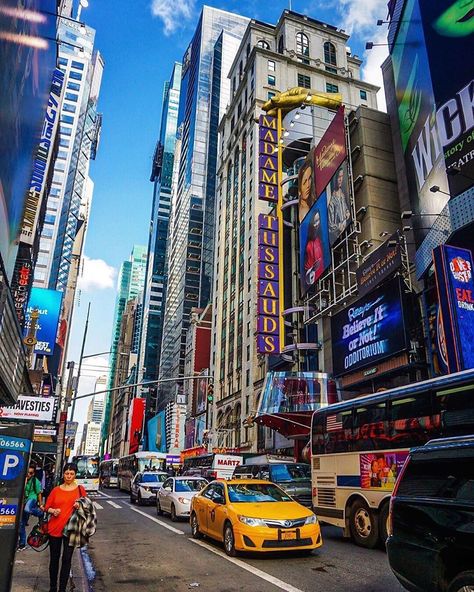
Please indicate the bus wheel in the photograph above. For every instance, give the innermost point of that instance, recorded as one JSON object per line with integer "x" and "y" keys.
{"x": 363, "y": 525}
{"x": 383, "y": 524}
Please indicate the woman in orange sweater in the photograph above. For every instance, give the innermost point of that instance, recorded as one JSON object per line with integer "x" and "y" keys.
{"x": 61, "y": 503}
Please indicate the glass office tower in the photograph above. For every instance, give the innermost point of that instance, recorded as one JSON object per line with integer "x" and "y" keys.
{"x": 191, "y": 233}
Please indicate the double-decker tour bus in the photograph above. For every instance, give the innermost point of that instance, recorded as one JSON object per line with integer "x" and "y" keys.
{"x": 108, "y": 472}
{"x": 129, "y": 466}
{"x": 87, "y": 471}
{"x": 359, "y": 447}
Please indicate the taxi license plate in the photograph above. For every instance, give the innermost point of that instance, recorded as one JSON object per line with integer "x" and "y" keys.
{"x": 288, "y": 536}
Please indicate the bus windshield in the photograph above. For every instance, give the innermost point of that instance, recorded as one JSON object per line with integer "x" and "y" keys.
{"x": 149, "y": 464}
{"x": 87, "y": 467}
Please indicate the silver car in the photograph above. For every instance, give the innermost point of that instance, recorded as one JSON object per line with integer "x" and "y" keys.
{"x": 174, "y": 497}
{"x": 145, "y": 485}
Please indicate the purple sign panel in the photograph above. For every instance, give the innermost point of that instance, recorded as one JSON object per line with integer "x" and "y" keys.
{"x": 268, "y": 160}
{"x": 454, "y": 278}
{"x": 268, "y": 321}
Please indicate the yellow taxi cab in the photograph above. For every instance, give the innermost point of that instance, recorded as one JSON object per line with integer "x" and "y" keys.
{"x": 253, "y": 515}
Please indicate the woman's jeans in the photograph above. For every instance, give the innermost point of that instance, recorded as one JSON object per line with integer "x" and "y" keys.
{"x": 31, "y": 507}
{"x": 55, "y": 544}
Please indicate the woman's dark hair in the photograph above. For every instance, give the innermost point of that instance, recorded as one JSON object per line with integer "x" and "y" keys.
{"x": 70, "y": 467}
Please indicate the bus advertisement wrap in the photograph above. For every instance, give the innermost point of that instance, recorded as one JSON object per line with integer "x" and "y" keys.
{"x": 380, "y": 471}
{"x": 371, "y": 329}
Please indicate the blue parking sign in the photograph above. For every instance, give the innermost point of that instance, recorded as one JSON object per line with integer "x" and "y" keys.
{"x": 11, "y": 465}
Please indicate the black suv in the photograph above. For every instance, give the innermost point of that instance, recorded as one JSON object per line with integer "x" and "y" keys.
{"x": 294, "y": 478}
{"x": 431, "y": 521}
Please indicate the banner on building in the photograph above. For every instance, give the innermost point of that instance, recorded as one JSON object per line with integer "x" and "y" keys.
{"x": 370, "y": 330}
{"x": 330, "y": 153}
{"x": 268, "y": 288}
{"x": 268, "y": 159}
{"x": 136, "y": 415}
{"x": 27, "y": 408}
{"x": 21, "y": 282}
{"x": 380, "y": 264}
{"x": 48, "y": 304}
{"x": 455, "y": 283}
{"x": 156, "y": 432}
{"x": 315, "y": 253}
{"x": 178, "y": 416}
{"x": 42, "y": 160}
{"x": 339, "y": 209}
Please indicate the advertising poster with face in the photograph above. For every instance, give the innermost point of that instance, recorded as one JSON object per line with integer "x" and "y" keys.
{"x": 306, "y": 192}
{"x": 380, "y": 471}
{"x": 339, "y": 214}
{"x": 315, "y": 255}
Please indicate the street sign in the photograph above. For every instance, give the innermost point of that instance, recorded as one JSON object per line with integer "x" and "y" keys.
{"x": 15, "y": 448}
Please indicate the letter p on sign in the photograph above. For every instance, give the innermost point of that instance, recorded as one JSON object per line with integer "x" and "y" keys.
{"x": 11, "y": 465}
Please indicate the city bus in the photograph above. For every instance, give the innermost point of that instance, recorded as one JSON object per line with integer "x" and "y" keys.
{"x": 108, "y": 472}
{"x": 87, "y": 471}
{"x": 358, "y": 448}
{"x": 129, "y": 466}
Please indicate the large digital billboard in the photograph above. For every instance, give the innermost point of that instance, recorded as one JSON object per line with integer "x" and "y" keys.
{"x": 315, "y": 254}
{"x": 48, "y": 305}
{"x": 370, "y": 330}
{"x": 434, "y": 89}
{"x": 28, "y": 57}
{"x": 330, "y": 153}
{"x": 339, "y": 209}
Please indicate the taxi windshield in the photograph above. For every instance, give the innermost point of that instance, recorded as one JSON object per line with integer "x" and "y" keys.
{"x": 153, "y": 478}
{"x": 256, "y": 492}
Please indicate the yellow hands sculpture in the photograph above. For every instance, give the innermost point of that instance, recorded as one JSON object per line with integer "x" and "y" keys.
{"x": 295, "y": 97}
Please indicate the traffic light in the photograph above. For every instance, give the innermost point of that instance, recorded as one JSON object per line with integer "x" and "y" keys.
{"x": 210, "y": 392}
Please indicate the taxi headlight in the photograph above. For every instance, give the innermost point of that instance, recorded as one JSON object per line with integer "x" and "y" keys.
{"x": 183, "y": 500}
{"x": 252, "y": 521}
{"x": 311, "y": 519}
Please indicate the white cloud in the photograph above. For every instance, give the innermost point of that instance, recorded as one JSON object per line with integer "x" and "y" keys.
{"x": 174, "y": 14}
{"x": 96, "y": 275}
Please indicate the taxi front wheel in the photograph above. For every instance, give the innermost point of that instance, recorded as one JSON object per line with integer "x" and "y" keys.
{"x": 229, "y": 541}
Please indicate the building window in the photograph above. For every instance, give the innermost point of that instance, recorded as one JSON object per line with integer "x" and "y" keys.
{"x": 77, "y": 65}
{"x": 363, "y": 94}
{"x": 271, "y": 80}
{"x": 330, "y": 54}
{"x": 331, "y": 88}
{"x": 270, "y": 95}
{"x": 247, "y": 50}
{"x": 263, "y": 44}
{"x": 75, "y": 75}
{"x": 247, "y": 378}
{"x": 69, "y": 108}
{"x": 280, "y": 45}
{"x": 73, "y": 86}
{"x": 271, "y": 65}
{"x": 67, "y": 119}
{"x": 302, "y": 44}
{"x": 304, "y": 81}
{"x": 71, "y": 97}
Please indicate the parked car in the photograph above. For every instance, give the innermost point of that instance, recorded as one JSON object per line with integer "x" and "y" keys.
{"x": 145, "y": 485}
{"x": 174, "y": 497}
{"x": 294, "y": 478}
{"x": 431, "y": 520}
{"x": 253, "y": 515}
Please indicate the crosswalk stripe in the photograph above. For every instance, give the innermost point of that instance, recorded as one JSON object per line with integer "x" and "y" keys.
{"x": 113, "y": 504}
{"x": 97, "y": 506}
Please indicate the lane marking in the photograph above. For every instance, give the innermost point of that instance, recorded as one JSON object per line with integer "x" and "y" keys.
{"x": 250, "y": 568}
{"x": 97, "y": 506}
{"x": 113, "y": 504}
{"x": 104, "y": 494}
{"x": 160, "y": 522}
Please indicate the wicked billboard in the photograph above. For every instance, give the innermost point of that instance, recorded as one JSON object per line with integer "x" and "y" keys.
{"x": 370, "y": 330}
{"x": 434, "y": 89}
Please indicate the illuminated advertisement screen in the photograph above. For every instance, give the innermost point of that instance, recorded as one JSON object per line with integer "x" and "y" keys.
{"x": 315, "y": 255}
{"x": 293, "y": 392}
{"x": 370, "y": 330}
{"x": 48, "y": 305}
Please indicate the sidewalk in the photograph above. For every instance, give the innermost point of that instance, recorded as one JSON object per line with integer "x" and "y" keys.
{"x": 30, "y": 572}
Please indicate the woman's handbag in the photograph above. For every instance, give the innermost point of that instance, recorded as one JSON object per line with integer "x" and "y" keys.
{"x": 38, "y": 539}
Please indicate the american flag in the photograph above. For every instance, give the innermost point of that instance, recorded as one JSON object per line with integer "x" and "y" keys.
{"x": 333, "y": 424}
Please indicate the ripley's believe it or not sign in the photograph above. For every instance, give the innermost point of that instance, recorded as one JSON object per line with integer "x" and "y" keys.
{"x": 268, "y": 304}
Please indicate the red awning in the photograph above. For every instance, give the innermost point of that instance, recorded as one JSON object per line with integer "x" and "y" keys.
{"x": 290, "y": 425}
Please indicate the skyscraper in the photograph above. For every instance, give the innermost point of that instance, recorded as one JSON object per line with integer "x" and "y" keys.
{"x": 204, "y": 94}
{"x": 130, "y": 284}
{"x": 155, "y": 284}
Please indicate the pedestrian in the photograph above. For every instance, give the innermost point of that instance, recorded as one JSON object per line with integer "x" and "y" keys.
{"x": 62, "y": 501}
{"x": 32, "y": 500}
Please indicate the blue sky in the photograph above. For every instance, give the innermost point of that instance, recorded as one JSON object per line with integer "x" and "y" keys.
{"x": 139, "y": 41}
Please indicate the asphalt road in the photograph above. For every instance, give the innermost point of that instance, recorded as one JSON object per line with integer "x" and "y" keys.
{"x": 133, "y": 549}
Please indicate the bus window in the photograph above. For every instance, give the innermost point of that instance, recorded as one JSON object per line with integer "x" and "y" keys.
{"x": 456, "y": 410}
{"x": 318, "y": 431}
{"x": 371, "y": 427}
{"x": 412, "y": 421}
{"x": 338, "y": 437}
